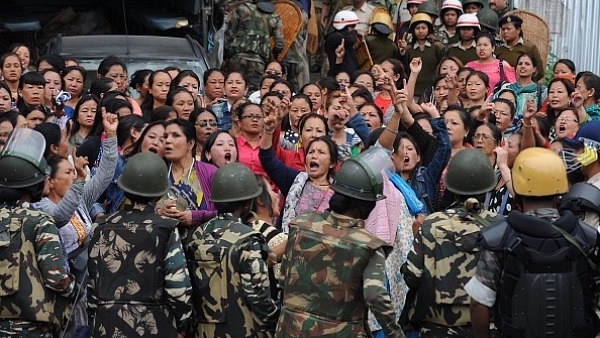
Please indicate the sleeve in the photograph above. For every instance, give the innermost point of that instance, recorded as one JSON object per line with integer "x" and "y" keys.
{"x": 360, "y": 127}
{"x": 279, "y": 173}
{"x": 254, "y": 281}
{"x": 412, "y": 270}
{"x": 427, "y": 143}
{"x": 483, "y": 286}
{"x": 104, "y": 175}
{"x": 178, "y": 287}
{"x": 510, "y": 72}
{"x": 377, "y": 296}
{"x": 276, "y": 33}
{"x": 443, "y": 151}
{"x": 50, "y": 258}
{"x": 63, "y": 211}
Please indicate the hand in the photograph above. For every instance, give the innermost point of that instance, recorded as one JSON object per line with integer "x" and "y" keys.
{"x": 347, "y": 102}
{"x": 110, "y": 121}
{"x": 400, "y": 98}
{"x": 501, "y": 156}
{"x": 430, "y": 109}
{"x": 419, "y": 219}
{"x": 80, "y": 163}
{"x": 270, "y": 107}
{"x": 184, "y": 217}
{"x": 486, "y": 109}
{"x": 340, "y": 51}
{"x": 452, "y": 82}
{"x": 402, "y": 44}
{"x": 416, "y": 65}
{"x": 576, "y": 99}
{"x": 270, "y": 123}
{"x": 284, "y": 108}
{"x": 529, "y": 110}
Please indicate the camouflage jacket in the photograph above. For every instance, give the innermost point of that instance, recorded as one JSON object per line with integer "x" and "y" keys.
{"x": 249, "y": 31}
{"x": 34, "y": 285}
{"x": 443, "y": 259}
{"x": 232, "y": 296}
{"x": 332, "y": 270}
{"x": 138, "y": 283}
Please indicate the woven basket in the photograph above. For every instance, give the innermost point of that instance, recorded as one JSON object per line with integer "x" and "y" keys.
{"x": 535, "y": 30}
{"x": 291, "y": 20}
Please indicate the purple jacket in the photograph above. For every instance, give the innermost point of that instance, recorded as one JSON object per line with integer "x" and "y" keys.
{"x": 205, "y": 173}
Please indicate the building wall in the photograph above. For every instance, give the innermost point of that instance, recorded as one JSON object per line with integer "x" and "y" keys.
{"x": 574, "y": 29}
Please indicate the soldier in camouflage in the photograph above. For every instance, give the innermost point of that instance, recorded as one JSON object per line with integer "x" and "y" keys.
{"x": 228, "y": 263}
{"x": 35, "y": 288}
{"x": 296, "y": 59}
{"x": 445, "y": 252}
{"x": 250, "y": 27}
{"x": 333, "y": 269}
{"x": 138, "y": 279}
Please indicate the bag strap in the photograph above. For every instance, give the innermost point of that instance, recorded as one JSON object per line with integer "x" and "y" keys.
{"x": 539, "y": 96}
{"x": 577, "y": 245}
{"x": 502, "y": 74}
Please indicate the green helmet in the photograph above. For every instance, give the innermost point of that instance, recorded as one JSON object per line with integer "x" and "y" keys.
{"x": 478, "y": 2}
{"x": 470, "y": 173}
{"x": 429, "y": 7}
{"x": 22, "y": 162}
{"x": 234, "y": 183}
{"x": 361, "y": 177}
{"x": 488, "y": 18}
{"x": 140, "y": 170}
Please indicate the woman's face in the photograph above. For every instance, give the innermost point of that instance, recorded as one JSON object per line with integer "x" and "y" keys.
{"x": 558, "y": 95}
{"x": 206, "y": 124}
{"x": 388, "y": 69}
{"x": 11, "y": 69}
{"x": 283, "y": 89}
{"x": 177, "y": 147}
{"x": 298, "y": 108}
{"x": 509, "y": 32}
{"x": 440, "y": 91}
{"x": 119, "y": 75}
{"x": 34, "y": 118}
{"x": 484, "y": 140}
{"x": 251, "y": 120}
{"x": 318, "y": 160}
{"x": 312, "y": 128}
{"x": 266, "y": 86}
{"x": 314, "y": 93}
{"x": 462, "y": 79}
{"x": 371, "y": 116}
{"x": 476, "y": 89}
{"x": 484, "y": 48}
{"x": 154, "y": 140}
{"x": 560, "y": 69}
{"x": 74, "y": 83}
{"x": 398, "y": 157}
{"x": 32, "y": 94}
{"x": 525, "y": 68}
{"x": 502, "y": 114}
{"x": 566, "y": 124}
{"x": 467, "y": 33}
{"x": 87, "y": 113}
{"x": 449, "y": 66}
{"x": 513, "y": 149}
{"x": 214, "y": 85}
{"x": 275, "y": 212}
{"x": 53, "y": 84}
{"x": 456, "y": 128}
{"x": 274, "y": 68}
{"x": 63, "y": 178}
{"x": 587, "y": 94}
{"x": 191, "y": 84}
{"x": 183, "y": 102}
{"x": 366, "y": 81}
{"x": 337, "y": 115}
{"x": 509, "y": 96}
{"x": 160, "y": 86}
{"x": 343, "y": 79}
{"x": 235, "y": 86}
{"x": 5, "y": 100}
{"x": 411, "y": 158}
{"x": 223, "y": 150}
{"x": 421, "y": 31}
{"x": 144, "y": 88}
{"x": 23, "y": 54}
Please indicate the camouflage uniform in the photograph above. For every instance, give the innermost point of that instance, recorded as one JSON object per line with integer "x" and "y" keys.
{"x": 296, "y": 60}
{"x": 35, "y": 288}
{"x": 138, "y": 282}
{"x": 332, "y": 271}
{"x": 232, "y": 296}
{"x": 247, "y": 41}
{"x": 443, "y": 258}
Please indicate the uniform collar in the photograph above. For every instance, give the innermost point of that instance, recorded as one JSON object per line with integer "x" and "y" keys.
{"x": 519, "y": 42}
{"x": 459, "y": 45}
{"x": 416, "y": 44}
{"x": 340, "y": 220}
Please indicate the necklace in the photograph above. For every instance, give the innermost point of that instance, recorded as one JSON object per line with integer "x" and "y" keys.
{"x": 189, "y": 171}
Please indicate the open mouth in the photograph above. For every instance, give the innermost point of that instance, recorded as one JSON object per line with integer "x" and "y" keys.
{"x": 562, "y": 128}
{"x": 313, "y": 165}
{"x": 153, "y": 150}
{"x": 227, "y": 157}
{"x": 406, "y": 160}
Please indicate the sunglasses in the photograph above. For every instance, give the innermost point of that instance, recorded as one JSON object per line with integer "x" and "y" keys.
{"x": 205, "y": 123}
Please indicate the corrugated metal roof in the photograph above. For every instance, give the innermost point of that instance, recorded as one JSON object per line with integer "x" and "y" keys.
{"x": 574, "y": 29}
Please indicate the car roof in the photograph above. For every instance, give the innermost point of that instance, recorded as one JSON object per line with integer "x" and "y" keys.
{"x": 140, "y": 46}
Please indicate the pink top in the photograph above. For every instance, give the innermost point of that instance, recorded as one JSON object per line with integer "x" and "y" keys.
{"x": 248, "y": 155}
{"x": 492, "y": 70}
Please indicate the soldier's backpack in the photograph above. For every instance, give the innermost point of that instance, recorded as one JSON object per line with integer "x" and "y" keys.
{"x": 547, "y": 280}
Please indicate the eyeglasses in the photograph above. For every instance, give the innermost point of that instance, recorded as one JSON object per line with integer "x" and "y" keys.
{"x": 566, "y": 120}
{"x": 251, "y": 117}
{"x": 273, "y": 72}
{"x": 204, "y": 123}
{"x": 484, "y": 137}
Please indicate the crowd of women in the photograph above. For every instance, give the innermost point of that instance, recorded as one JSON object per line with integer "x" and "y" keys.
{"x": 294, "y": 139}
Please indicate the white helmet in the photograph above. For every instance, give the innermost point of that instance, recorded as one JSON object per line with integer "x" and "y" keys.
{"x": 452, "y": 4}
{"x": 344, "y": 18}
{"x": 414, "y": 2}
{"x": 468, "y": 20}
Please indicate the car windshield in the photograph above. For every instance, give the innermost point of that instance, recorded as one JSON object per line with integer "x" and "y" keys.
{"x": 133, "y": 64}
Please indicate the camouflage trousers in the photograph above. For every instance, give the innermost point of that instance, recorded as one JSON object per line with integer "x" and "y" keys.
{"x": 250, "y": 65}
{"x": 16, "y": 328}
{"x": 431, "y": 330}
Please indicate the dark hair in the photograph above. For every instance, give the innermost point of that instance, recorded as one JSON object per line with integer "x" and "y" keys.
{"x": 570, "y": 64}
{"x": 511, "y": 106}
{"x": 244, "y": 78}
{"x": 169, "y": 68}
{"x": 182, "y": 74}
{"x": 534, "y": 61}
{"x": 496, "y": 133}
{"x": 488, "y": 35}
{"x": 363, "y": 93}
{"x": 148, "y": 103}
{"x": 173, "y": 91}
{"x": 377, "y": 109}
{"x": 101, "y": 86}
{"x": 328, "y": 83}
{"x": 240, "y": 109}
{"x": 7, "y": 55}
{"x": 53, "y": 162}
{"x": 481, "y": 75}
{"x": 507, "y": 90}
{"x": 161, "y": 113}
{"x": 56, "y": 61}
{"x": 79, "y": 69}
{"x": 32, "y": 78}
{"x": 310, "y": 84}
{"x": 358, "y": 73}
{"x": 209, "y": 72}
{"x": 138, "y": 77}
{"x": 199, "y": 110}
{"x": 343, "y": 204}
{"x": 52, "y": 70}
{"x": 333, "y": 152}
{"x": 550, "y": 112}
{"x": 462, "y": 114}
{"x": 11, "y": 116}
{"x": 97, "y": 120}
{"x": 114, "y": 103}
{"x": 126, "y": 123}
{"x": 302, "y": 97}
{"x": 309, "y": 116}
{"x": 14, "y": 46}
{"x": 281, "y": 64}
{"x": 264, "y": 196}
{"x": 52, "y": 135}
{"x": 186, "y": 127}
{"x": 210, "y": 142}
{"x": 136, "y": 147}
{"x": 282, "y": 81}
{"x": 397, "y": 68}
{"x": 404, "y": 135}
{"x": 591, "y": 81}
{"x": 108, "y": 62}
{"x": 268, "y": 77}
